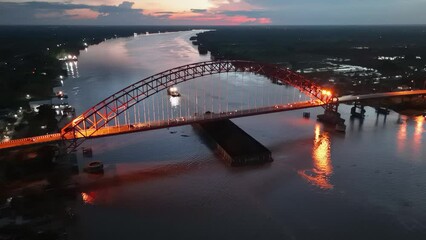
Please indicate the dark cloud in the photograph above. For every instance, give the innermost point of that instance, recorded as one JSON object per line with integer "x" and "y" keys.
{"x": 165, "y": 12}
{"x": 198, "y": 10}
{"x": 67, "y": 13}
{"x": 126, "y": 5}
{"x": 254, "y": 13}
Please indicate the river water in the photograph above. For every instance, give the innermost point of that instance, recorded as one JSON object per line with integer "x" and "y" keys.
{"x": 366, "y": 184}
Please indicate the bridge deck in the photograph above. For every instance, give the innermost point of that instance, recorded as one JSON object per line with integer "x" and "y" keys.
{"x": 123, "y": 129}
{"x": 139, "y": 127}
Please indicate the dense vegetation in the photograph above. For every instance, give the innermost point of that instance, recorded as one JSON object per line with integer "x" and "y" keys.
{"x": 308, "y": 47}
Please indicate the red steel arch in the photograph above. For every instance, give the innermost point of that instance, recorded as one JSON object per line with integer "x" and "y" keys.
{"x": 99, "y": 115}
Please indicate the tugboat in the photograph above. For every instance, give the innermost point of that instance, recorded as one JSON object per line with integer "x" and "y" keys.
{"x": 61, "y": 95}
{"x": 173, "y": 92}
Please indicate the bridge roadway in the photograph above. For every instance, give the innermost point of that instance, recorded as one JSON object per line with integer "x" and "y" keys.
{"x": 146, "y": 126}
{"x": 139, "y": 127}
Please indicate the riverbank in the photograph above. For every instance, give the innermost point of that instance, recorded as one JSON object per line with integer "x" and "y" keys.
{"x": 30, "y": 65}
{"x": 352, "y": 59}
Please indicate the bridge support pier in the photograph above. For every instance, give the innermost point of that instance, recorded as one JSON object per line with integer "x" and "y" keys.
{"x": 384, "y": 111}
{"x": 385, "y": 116}
{"x": 358, "y": 114}
{"x": 332, "y": 117}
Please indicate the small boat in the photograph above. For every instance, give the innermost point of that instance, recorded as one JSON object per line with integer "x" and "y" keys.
{"x": 306, "y": 114}
{"x": 61, "y": 95}
{"x": 173, "y": 92}
{"x": 95, "y": 167}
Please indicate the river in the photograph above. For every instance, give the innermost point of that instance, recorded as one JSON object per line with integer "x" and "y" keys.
{"x": 366, "y": 184}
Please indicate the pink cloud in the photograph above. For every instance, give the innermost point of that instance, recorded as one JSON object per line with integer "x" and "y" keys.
{"x": 217, "y": 19}
{"x": 264, "y": 20}
{"x": 217, "y": 15}
{"x": 83, "y": 13}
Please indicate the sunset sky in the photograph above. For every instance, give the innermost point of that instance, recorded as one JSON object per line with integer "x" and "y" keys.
{"x": 213, "y": 12}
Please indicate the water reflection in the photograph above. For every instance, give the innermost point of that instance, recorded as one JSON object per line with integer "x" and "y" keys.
{"x": 174, "y": 101}
{"x": 402, "y": 134}
{"x": 418, "y": 132}
{"x": 320, "y": 174}
{"x": 419, "y": 129}
{"x": 410, "y": 134}
{"x": 72, "y": 69}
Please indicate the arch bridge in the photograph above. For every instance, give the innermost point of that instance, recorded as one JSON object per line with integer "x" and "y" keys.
{"x": 99, "y": 116}
{"x": 113, "y": 115}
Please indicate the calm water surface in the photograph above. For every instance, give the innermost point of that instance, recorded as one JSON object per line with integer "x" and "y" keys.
{"x": 367, "y": 184}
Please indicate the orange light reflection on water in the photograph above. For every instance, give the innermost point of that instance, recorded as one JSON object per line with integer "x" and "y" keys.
{"x": 413, "y": 133}
{"x": 418, "y": 132}
{"x": 402, "y": 136}
{"x": 321, "y": 156}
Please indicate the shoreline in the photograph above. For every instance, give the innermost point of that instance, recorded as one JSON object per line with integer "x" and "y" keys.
{"x": 14, "y": 102}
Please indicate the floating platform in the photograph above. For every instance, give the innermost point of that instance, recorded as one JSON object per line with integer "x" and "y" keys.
{"x": 330, "y": 117}
{"x": 233, "y": 144}
{"x": 333, "y": 118}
